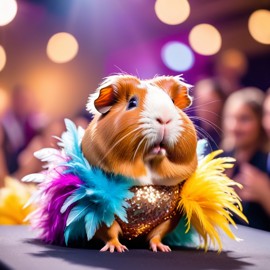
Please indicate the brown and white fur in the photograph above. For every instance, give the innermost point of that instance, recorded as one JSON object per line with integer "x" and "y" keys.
{"x": 150, "y": 139}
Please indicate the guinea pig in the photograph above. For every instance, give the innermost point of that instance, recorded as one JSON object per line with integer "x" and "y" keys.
{"x": 140, "y": 130}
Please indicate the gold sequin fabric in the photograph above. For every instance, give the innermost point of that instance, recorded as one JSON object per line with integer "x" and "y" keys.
{"x": 150, "y": 206}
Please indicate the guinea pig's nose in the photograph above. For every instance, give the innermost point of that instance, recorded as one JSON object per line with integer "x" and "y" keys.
{"x": 163, "y": 120}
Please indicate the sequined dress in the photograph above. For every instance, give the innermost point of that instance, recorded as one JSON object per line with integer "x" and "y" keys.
{"x": 149, "y": 207}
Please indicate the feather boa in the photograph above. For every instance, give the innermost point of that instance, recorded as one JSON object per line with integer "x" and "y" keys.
{"x": 74, "y": 199}
{"x": 208, "y": 200}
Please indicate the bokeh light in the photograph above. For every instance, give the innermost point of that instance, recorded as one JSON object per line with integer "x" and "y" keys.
{"x": 62, "y": 47}
{"x": 8, "y": 11}
{"x": 235, "y": 60}
{"x": 3, "y": 58}
{"x": 172, "y": 11}
{"x": 259, "y": 25}
{"x": 205, "y": 39}
{"x": 177, "y": 56}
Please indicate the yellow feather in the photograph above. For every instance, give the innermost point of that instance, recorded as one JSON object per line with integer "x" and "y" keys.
{"x": 13, "y": 197}
{"x": 208, "y": 200}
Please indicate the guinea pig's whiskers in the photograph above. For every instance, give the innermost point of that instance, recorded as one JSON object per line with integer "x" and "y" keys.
{"x": 200, "y": 131}
{"x": 194, "y": 107}
{"x": 210, "y": 112}
{"x": 138, "y": 147}
{"x": 213, "y": 125}
{"x": 121, "y": 71}
{"x": 135, "y": 137}
{"x": 204, "y": 134}
{"x": 145, "y": 147}
{"x": 200, "y": 97}
{"x": 120, "y": 140}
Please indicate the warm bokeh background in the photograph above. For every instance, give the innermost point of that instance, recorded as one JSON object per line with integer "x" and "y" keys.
{"x": 116, "y": 36}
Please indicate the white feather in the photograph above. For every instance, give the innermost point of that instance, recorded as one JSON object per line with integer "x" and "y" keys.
{"x": 81, "y": 132}
{"x": 34, "y": 177}
{"x": 46, "y": 154}
{"x": 34, "y": 198}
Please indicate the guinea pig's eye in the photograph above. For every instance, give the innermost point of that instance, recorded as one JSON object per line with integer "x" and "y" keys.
{"x": 133, "y": 103}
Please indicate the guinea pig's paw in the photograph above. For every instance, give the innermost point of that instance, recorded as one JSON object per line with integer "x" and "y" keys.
{"x": 156, "y": 245}
{"x": 113, "y": 245}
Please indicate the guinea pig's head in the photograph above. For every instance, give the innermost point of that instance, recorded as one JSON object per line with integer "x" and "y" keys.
{"x": 141, "y": 131}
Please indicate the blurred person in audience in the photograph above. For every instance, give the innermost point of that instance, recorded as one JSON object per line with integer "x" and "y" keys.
{"x": 45, "y": 139}
{"x": 230, "y": 67}
{"x": 245, "y": 139}
{"x": 266, "y": 119}
{"x": 209, "y": 98}
{"x": 27, "y": 163}
{"x": 18, "y": 125}
{"x": 3, "y": 165}
{"x": 4, "y": 104}
{"x": 14, "y": 129}
{"x": 13, "y": 193}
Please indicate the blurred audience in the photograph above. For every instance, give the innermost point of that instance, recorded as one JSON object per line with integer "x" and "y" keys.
{"x": 230, "y": 67}
{"x": 245, "y": 139}
{"x": 3, "y": 165}
{"x": 24, "y": 130}
{"x": 209, "y": 98}
{"x": 27, "y": 163}
{"x": 18, "y": 125}
{"x": 266, "y": 118}
{"x": 45, "y": 139}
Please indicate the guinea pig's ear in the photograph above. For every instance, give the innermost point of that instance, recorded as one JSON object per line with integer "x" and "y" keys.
{"x": 176, "y": 89}
{"x": 181, "y": 97}
{"x": 105, "y": 100}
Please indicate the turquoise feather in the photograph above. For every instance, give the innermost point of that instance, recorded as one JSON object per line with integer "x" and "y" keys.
{"x": 76, "y": 231}
{"x": 99, "y": 199}
{"x": 180, "y": 238}
{"x": 91, "y": 222}
{"x": 76, "y": 196}
{"x": 78, "y": 212}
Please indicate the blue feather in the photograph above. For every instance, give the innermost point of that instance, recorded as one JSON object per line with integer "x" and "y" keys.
{"x": 179, "y": 236}
{"x": 75, "y": 231}
{"x": 110, "y": 217}
{"x": 77, "y": 212}
{"x": 91, "y": 223}
{"x": 67, "y": 234}
{"x": 99, "y": 199}
{"x": 71, "y": 143}
{"x": 77, "y": 195}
